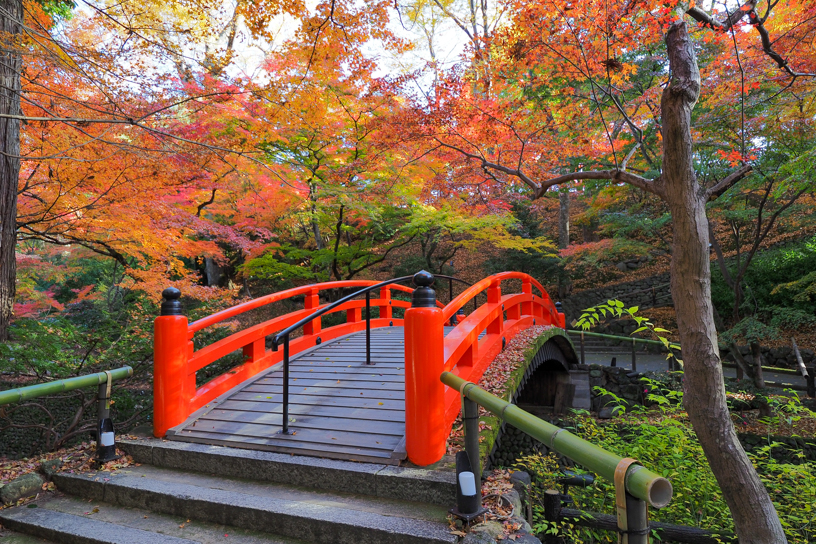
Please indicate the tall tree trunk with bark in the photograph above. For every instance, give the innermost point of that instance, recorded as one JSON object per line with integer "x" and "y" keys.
{"x": 754, "y": 515}
{"x": 564, "y": 283}
{"x": 11, "y": 17}
{"x": 563, "y": 219}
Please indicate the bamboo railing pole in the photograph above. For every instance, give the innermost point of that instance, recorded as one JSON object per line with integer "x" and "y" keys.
{"x": 22, "y": 394}
{"x": 640, "y": 482}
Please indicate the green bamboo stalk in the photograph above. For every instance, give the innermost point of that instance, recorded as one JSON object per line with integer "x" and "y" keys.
{"x": 640, "y": 482}
{"x": 21, "y": 394}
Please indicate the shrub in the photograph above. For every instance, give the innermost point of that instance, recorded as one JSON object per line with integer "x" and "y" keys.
{"x": 664, "y": 441}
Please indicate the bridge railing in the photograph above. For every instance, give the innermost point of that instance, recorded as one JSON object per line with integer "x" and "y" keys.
{"x": 465, "y": 351}
{"x": 176, "y": 361}
{"x": 105, "y": 441}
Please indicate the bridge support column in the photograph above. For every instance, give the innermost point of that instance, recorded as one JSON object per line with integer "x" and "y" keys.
{"x": 171, "y": 381}
{"x": 425, "y": 432}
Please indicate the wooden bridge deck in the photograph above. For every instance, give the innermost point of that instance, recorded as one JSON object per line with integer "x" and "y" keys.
{"x": 339, "y": 407}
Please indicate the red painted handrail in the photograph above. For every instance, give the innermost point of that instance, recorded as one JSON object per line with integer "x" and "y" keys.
{"x": 176, "y": 361}
{"x": 431, "y": 408}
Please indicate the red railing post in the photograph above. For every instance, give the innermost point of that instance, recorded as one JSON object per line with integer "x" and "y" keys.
{"x": 354, "y": 315}
{"x": 527, "y": 289}
{"x": 312, "y": 301}
{"x": 171, "y": 381}
{"x": 425, "y": 430}
{"x": 560, "y": 316}
{"x": 494, "y": 297}
{"x": 386, "y": 311}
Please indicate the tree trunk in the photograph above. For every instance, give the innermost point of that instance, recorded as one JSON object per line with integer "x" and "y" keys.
{"x": 756, "y": 354}
{"x": 11, "y": 16}
{"x": 563, "y": 219}
{"x": 742, "y": 365}
{"x": 564, "y": 284}
{"x": 754, "y": 515}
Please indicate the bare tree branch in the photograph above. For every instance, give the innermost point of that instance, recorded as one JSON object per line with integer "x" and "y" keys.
{"x": 619, "y": 176}
{"x": 726, "y": 183}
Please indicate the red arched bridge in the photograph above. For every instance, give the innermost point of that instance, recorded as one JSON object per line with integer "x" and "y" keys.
{"x": 368, "y": 389}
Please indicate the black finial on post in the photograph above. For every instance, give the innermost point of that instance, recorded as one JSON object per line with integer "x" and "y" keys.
{"x": 424, "y": 296}
{"x": 559, "y": 308}
{"x": 171, "y": 304}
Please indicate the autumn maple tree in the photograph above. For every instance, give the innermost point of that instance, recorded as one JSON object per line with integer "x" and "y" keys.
{"x": 142, "y": 141}
{"x": 607, "y": 91}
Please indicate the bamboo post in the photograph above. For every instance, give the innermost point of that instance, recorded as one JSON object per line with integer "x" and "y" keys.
{"x": 105, "y": 440}
{"x": 471, "y": 421}
{"x": 552, "y": 513}
{"x": 637, "y": 521}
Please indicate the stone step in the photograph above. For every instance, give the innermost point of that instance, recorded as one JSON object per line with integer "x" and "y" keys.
{"x": 12, "y": 537}
{"x": 71, "y": 520}
{"x": 71, "y": 529}
{"x": 315, "y": 516}
{"x": 377, "y": 480}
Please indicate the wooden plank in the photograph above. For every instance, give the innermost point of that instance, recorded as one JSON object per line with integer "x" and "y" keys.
{"x": 300, "y": 435}
{"x": 397, "y": 368}
{"x": 334, "y": 452}
{"x": 323, "y": 358}
{"x": 394, "y": 369}
{"x": 326, "y": 423}
{"x": 337, "y": 368}
{"x": 339, "y": 383}
{"x": 315, "y": 410}
{"x": 344, "y": 370}
{"x": 322, "y": 400}
{"x": 328, "y": 357}
{"x": 345, "y": 392}
{"x": 318, "y": 374}
{"x": 359, "y": 359}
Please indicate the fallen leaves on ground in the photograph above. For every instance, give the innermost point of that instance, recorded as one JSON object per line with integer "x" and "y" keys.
{"x": 498, "y": 509}
{"x": 75, "y": 459}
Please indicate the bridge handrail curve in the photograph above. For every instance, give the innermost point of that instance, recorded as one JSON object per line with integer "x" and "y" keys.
{"x": 339, "y": 302}
{"x": 223, "y": 315}
{"x": 479, "y": 287}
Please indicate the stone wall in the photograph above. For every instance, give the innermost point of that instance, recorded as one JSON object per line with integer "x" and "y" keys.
{"x": 628, "y": 292}
{"x": 789, "y": 450}
{"x": 620, "y": 382}
{"x": 779, "y": 357}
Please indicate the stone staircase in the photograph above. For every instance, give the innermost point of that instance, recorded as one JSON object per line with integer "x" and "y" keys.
{"x": 180, "y": 493}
